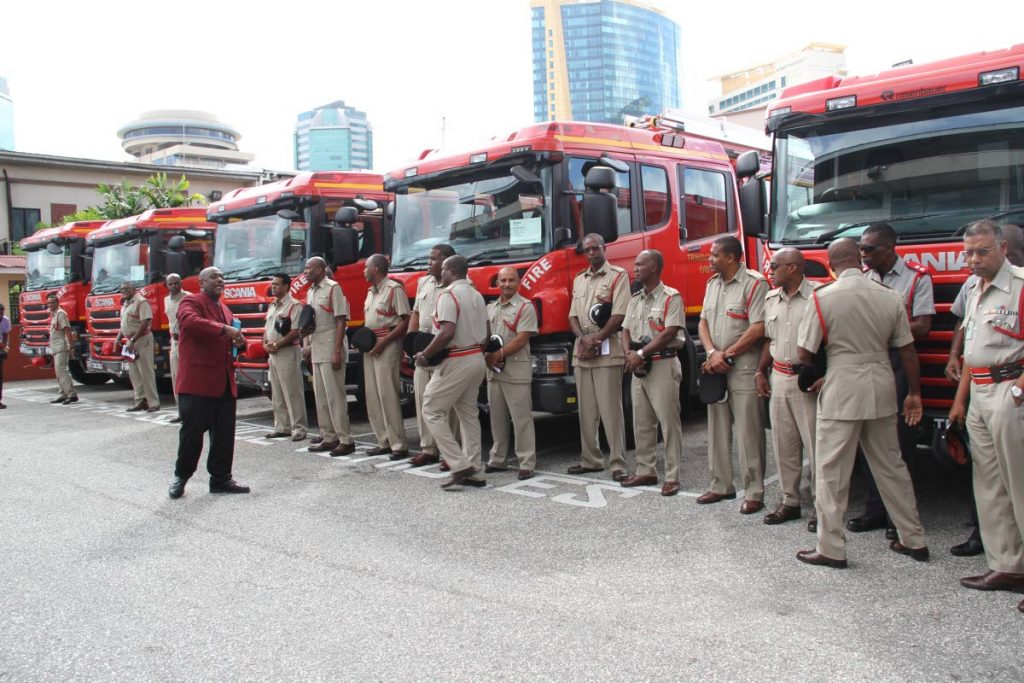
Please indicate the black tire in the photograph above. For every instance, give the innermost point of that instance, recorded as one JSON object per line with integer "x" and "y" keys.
{"x": 89, "y": 379}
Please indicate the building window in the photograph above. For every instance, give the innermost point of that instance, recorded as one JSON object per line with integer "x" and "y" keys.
{"x": 24, "y": 222}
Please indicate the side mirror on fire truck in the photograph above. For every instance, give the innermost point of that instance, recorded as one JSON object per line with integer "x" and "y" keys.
{"x": 54, "y": 248}
{"x": 365, "y": 205}
{"x": 344, "y": 245}
{"x": 753, "y": 207}
{"x": 176, "y": 243}
{"x": 748, "y": 164}
{"x": 600, "y": 204}
{"x": 346, "y": 216}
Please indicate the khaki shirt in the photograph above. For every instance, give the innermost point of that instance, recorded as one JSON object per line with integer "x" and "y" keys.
{"x": 461, "y": 304}
{"x": 959, "y": 307}
{"x": 385, "y": 306}
{"x": 782, "y": 316}
{"x": 285, "y": 307}
{"x": 610, "y": 284}
{"x": 330, "y": 303}
{"x": 859, "y": 321}
{"x": 133, "y": 313}
{"x": 171, "y": 307}
{"x": 426, "y": 302}
{"x": 993, "y": 332}
{"x": 650, "y": 313}
{"x": 507, "y": 320}
{"x": 730, "y": 307}
{"x": 58, "y": 323}
{"x": 910, "y": 282}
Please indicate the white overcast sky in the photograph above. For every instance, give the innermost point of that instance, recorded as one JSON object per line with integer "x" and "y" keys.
{"x": 79, "y": 70}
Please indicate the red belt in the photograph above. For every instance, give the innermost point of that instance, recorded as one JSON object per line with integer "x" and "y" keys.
{"x": 994, "y": 374}
{"x": 381, "y": 331}
{"x": 783, "y": 368}
{"x": 465, "y": 351}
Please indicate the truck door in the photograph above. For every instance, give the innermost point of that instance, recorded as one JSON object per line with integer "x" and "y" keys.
{"x": 707, "y": 209}
{"x": 623, "y": 251}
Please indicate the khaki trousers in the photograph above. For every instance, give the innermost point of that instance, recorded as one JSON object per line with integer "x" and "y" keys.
{"x": 174, "y": 367}
{"x": 454, "y": 384}
{"x": 599, "y": 401}
{"x": 286, "y": 392}
{"x": 331, "y": 402}
{"x": 996, "y": 427}
{"x": 744, "y": 410}
{"x": 60, "y": 368}
{"x": 793, "y": 413}
{"x": 511, "y": 403}
{"x": 656, "y": 401}
{"x": 420, "y": 379}
{"x": 834, "y": 452}
{"x": 142, "y": 373}
{"x": 380, "y": 381}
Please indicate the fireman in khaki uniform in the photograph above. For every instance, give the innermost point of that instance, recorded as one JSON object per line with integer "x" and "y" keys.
{"x": 858, "y": 321}
{"x": 792, "y": 411}
{"x": 460, "y": 323}
{"x": 137, "y": 335}
{"x": 598, "y": 359}
{"x": 327, "y": 355}
{"x": 993, "y": 379}
{"x": 731, "y": 328}
{"x": 514, "y": 319}
{"x": 171, "y": 301}
{"x": 386, "y": 314}
{"x": 284, "y": 361}
{"x": 62, "y": 346}
{"x": 422, "y": 320}
{"x": 655, "y": 315}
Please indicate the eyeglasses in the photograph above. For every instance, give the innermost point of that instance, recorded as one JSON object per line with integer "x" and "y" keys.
{"x": 980, "y": 253}
{"x": 776, "y": 266}
{"x": 869, "y": 248}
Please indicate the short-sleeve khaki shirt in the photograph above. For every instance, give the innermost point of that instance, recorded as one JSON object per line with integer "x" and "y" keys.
{"x": 608, "y": 284}
{"x": 329, "y": 303}
{"x": 993, "y": 328}
{"x": 649, "y": 313}
{"x": 461, "y": 304}
{"x": 171, "y": 308}
{"x": 426, "y": 302}
{"x": 58, "y": 323}
{"x": 508, "y": 319}
{"x": 385, "y": 306}
{"x": 912, "y": 282}
{"x": 285, "y": 307}
{"x": 782, "y": 316}
{"x": 730, "y": 307}
{"x": 133, "y": 313}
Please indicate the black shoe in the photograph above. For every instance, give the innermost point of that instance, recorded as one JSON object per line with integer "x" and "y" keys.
{"x": 137, "y": 407}
{"x": 473, "y": 481}
{"x": 177, "y": 489}
{"x": 70, "y": 399}
{"x": 59, "y": 399}
{"x": 863, "y": 523}
{"x": 971, "y": 547}
{"x": 891, "y": 534}
{"x": 174, "y": 420}
{"x": 2, "y": 406}
{"x": 228, "y": 486}
{"x": 490, "y": 469}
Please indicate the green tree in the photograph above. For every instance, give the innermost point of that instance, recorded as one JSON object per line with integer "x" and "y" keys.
{"x": 163, "y": 192}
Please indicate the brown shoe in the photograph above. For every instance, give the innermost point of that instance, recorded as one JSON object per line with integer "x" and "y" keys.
{"x": 322, "y": 447}
{"x": 457, "y": 478}
{"x": 490, "y": 469}
{"x": 421, "y": 459}
{"x": 377, "y": 450}
{"x": 474, "y": 482}
{"x": 153, "y": 409}
{"x": 343, "y": 449}
{"x": 621, "y": 475}
{"x": 1020, "y": 606}
{"x": 314, "y": 440}
{"x": 816, "y": 558}
{"x": 995, "y": 581}
{"x": 444, "y": 467}
{"x": 670, "y": 488}
{"x": 138, "y": 407}
{"x": 715, "y": 497}
{"x": 525, "y": 474}
{"x": 398, "y": 455}
{"x": 639, "y": 480}
{"x": 919, "y": 554}
{"x": 783, "y": 513}
{"x": 749, "y": 507}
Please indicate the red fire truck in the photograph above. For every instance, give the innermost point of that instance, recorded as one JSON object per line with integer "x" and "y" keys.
{"x": 57, "y": 264}
{"x": 276, "y": 227}
{"x": 519, "y": 201}
{"x": 927, "y": 148}
{"x": 143, "y": 250}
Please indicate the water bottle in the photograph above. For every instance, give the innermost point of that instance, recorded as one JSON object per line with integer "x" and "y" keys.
{"x": 237, "y": 324}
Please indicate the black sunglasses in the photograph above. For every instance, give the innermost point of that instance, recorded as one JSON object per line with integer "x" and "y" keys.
{"x": 868, "y": 248}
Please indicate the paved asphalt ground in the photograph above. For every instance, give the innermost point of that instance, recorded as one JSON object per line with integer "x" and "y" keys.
{"x": 355, "y": 569}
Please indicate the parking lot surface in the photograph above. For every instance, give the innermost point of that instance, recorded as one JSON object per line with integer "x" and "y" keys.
{"x": 357, "y": 568}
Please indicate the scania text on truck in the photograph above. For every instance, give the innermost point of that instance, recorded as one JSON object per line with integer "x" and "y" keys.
{"x": 143, "y": 250}
{"x": 57, "y": 264}
{"x": 927, "y": 148}
{"x": 275, "y": 228}
{"x": 519, "y": 202}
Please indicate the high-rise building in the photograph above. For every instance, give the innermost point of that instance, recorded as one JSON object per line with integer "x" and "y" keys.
{"x": 6, "y": 116}
{"x": 757, "y": 85}
{"x": 334, "y": 137}
{"x": 602, "y": 60}
{"x": 176, "y": 137}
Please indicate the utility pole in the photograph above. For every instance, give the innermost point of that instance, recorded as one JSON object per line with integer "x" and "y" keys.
{"x": 444, "y": 126}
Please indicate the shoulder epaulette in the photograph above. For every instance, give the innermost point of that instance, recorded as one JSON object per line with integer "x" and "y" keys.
{"x": 580, "y": 273}
{"x": 1016, "y": 271}
{"x": 756, "y": 274}
{"x": 773, "y": 292}
{"x": 915, "y": 266}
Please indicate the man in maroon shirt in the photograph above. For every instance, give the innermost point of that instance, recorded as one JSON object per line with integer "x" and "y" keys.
{"x": 206, "y": 386}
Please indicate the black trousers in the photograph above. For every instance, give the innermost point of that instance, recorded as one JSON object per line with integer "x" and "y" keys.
{"x": 201, "y": 414}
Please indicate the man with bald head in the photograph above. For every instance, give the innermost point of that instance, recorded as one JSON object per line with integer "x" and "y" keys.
{"x": 206, "y": 386}
{"x": 327, "y": 355}
{"x": 513, "y": 318}
{"x": 792, "y": 411}
{"x": 136, "y": 336}
{"x": 858, "y": 320}
{"x": 386, "y": 314}
{"x": 171, "y": 301}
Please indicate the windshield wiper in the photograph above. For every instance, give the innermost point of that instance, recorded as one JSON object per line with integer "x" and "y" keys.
{"x": 825, "y": 237}
{"x": 413, "y": 261}
{"x": 486, "y": 253}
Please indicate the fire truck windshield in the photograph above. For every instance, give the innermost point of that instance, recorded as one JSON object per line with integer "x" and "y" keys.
{"x": 114, "y": 264}
{"x": 493, "y": 216}
{"x": 44, "y": 269}
{"x": 258, "y": 247}
{"x": 926, "y": 174}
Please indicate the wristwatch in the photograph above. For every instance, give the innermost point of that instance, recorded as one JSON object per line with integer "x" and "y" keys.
{"x": 1016, "y": 391}
{"x": 640, "y": 352}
